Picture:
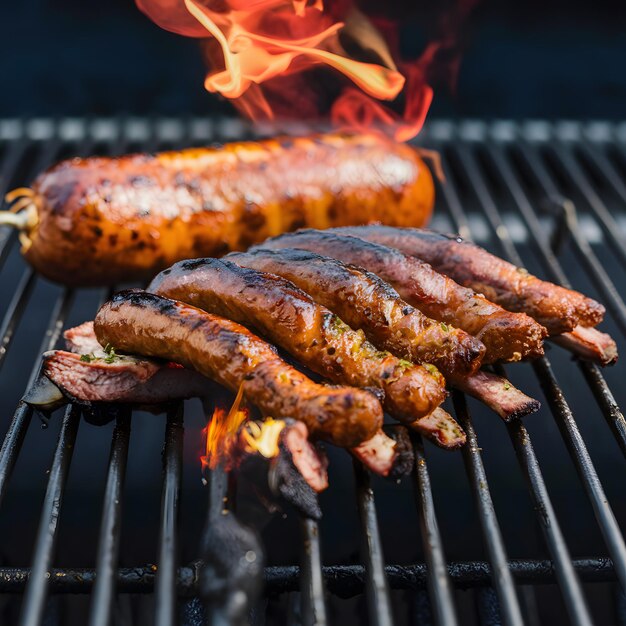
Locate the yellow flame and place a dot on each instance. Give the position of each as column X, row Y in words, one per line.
column 263, row 437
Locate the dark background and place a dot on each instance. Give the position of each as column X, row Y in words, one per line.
column 524, row 59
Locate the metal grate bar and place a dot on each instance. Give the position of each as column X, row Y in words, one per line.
column 438, row 580
column 344, row 580
column 566, row 574
column 580, row 181
column 376, row 587
column 502, row 578
column 36, row 589
column 15, row 312
column 49, row 149
column 569, row 583
column 311, row 578
column 8, row 169
column 218, row 502
column 14, row 437
column 562, row 413
column 577, row 449
column 605, row 168
column 165, row 585
column 552, row 267
column 589, row 260
column 109, row 541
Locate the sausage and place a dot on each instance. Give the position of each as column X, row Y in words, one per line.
column 308, row 331
column 507, row 336
column 363, row 300
column 99, row 221
column 149, row 325
column 558, row 309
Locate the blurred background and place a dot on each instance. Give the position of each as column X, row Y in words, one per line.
column 524, row 59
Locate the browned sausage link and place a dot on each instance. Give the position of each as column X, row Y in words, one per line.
column 146, row 324
column 310, row 332
column 558, row 309
column 507, row 336
column 99, row 221
column 363, row 300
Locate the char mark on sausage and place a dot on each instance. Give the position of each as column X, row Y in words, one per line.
column 150, row 325
column 307, row 330
column 507, row 336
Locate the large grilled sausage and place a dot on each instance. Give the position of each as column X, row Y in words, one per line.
column 507, row 336
column 307, row 330
column 98, row 221
column 149, row 325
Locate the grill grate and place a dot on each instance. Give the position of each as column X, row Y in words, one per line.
column 498, row 175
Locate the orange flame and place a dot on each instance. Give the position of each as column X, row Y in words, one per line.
column 259, row 49
column 222, row 434
column 227, row 436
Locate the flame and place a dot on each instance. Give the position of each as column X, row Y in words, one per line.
column 222, row 434
column 260, row 50
column 263, row 437
column 227, row 436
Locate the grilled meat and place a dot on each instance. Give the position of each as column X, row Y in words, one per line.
column 558, row 309
column 389, row 453
column 590, row 344
column 154, row 382
column 141, row 323
column 507, row 336
column 125, row 379
column 308, row 331
column 363, row 300
column 441, row 427
column 499, row 395
column 100, row 221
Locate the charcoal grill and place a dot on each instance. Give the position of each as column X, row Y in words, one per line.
column 524, row 531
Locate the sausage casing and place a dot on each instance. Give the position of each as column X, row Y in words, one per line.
column 99, row 221
column 558, row 309
column 307, row 330
column 365, row 301
column 507, row 336
column 140, row 323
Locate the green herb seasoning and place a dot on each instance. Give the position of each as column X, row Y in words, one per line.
column 111, row 356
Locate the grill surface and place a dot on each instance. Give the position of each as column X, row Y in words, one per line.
column 523, row 531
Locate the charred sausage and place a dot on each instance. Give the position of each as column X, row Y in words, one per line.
column 99, row 221
column 507, row 336
column 150, row 325
column 558, row 309
column 307, row 330
column 363, row 300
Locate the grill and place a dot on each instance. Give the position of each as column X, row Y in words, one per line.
column 521, row 531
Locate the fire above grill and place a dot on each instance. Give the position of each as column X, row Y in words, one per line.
column 488, row 542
